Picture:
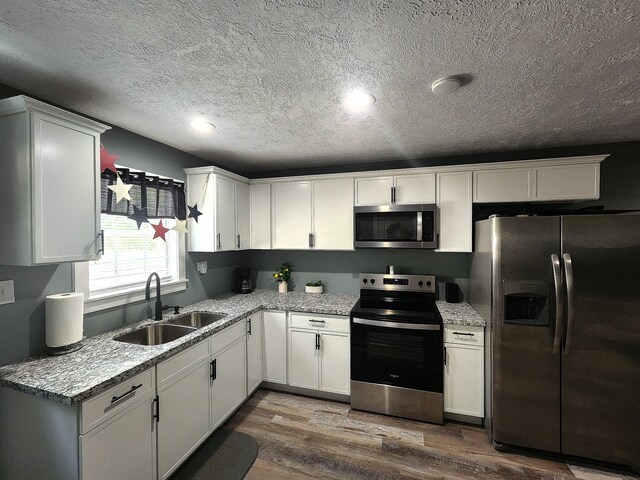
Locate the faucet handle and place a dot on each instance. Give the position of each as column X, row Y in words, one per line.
column 176, row 308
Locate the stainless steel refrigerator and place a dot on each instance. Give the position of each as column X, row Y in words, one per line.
column 561, row 296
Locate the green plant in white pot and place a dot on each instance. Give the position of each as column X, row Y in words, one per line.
column 314, row 287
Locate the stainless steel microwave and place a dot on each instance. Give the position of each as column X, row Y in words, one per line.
column 396, row 226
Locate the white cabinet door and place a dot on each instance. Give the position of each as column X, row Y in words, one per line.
column 454, row 199
column 412, row 189
column 260, row 212
column 229, row 381
column 242, row 216
column 184, row 418
column 200, row 193
column 66, row 206
column 292, row 215
column 275, row 346
column 333, row 214
column 255, row 352
column 303, row 359
column 503, row 185
column 373, row 190
column 568, row 182
column 464, row 380
column 335, row 373
column 225, row 214
column 124, row 447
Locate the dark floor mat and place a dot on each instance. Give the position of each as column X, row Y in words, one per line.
column 226, row 455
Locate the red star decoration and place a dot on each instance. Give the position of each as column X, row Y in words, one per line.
column 160, row 229
column 107, row 161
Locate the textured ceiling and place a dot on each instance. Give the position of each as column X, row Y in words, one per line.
column 270, row 74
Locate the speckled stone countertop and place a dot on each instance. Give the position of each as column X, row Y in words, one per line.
column 459, row 314
column 103, row 362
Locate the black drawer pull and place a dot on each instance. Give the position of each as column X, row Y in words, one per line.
column 115, row 399
column 316, row 321
column 464, row 333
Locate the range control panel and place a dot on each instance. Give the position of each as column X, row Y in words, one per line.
column 407, row 283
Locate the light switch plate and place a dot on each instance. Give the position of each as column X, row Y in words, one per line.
column 6, row 292
column 202, row 267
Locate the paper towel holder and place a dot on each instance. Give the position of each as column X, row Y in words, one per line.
column 74, row 347
column 66, row 348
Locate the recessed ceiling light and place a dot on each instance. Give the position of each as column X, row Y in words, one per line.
column 358, row 101
column 446, row 85
column 202, row 126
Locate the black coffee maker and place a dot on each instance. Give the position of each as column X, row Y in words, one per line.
column 241, row 280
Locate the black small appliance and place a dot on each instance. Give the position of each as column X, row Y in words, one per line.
column 453, row 294
column 241, row 280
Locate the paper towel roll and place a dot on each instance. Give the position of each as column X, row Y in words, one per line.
column 64, row 318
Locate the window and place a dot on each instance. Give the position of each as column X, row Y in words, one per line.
column 131, row 254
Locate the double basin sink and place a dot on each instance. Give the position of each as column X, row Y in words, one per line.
column 175, row 328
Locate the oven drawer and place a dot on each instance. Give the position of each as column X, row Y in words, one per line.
column 464, row 334
column 322, row 322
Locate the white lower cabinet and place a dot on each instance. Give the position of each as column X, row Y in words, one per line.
column 228, row 380
column 255, row 351
column 183, row 409
column 319, row 353
column 275, row 346
column 123, row 447
column 464, row 370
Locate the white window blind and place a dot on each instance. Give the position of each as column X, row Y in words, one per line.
column 131, row 255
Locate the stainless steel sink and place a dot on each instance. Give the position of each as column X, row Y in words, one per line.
column 197, row 319
column 155, row 334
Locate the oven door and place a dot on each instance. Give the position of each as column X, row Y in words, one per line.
column 397, row 353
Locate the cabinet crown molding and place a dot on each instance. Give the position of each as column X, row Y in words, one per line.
column 217, row 171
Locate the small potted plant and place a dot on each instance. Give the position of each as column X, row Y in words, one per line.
column 314, row 287
column 282, row 276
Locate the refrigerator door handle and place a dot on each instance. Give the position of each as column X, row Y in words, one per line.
column 557, row 281
column 568, row 271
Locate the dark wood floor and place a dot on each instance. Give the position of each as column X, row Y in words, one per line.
column 302, row 437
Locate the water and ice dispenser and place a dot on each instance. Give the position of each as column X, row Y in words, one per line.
column 526, row 302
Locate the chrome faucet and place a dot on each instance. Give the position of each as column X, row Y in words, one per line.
column 147, row 294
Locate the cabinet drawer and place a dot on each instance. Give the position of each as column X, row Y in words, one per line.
column 322, row 322
column 228, row 335
column 464, row 334
column 116, row 399
column 176, row 365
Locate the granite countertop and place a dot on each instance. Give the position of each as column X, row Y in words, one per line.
column 459, row 314
column 103, row 362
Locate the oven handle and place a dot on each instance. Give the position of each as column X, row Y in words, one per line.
column 406, row 326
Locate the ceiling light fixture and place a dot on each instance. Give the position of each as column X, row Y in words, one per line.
column 446, row 85
column 202, row 126
column 358, row 101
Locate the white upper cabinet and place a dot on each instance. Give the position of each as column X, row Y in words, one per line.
column 400, row 190
column 224, row 204
column 333, row 214
column 242, row 216
column 374, row 190
column 454, row 200
column 411, row 189
column 260, row 212
column 568, row 182
column 567, row 179
column 292, row 215
column 503, row 185
column 50, row 184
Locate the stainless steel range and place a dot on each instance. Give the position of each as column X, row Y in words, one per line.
column 397, row 347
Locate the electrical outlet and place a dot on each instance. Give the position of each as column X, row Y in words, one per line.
column 202, row 267
column 6, row 292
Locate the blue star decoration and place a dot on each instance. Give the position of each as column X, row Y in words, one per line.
column 139, row 215
column 193, row 212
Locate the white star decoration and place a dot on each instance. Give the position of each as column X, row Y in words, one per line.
column 121, row 190
column 180, row 227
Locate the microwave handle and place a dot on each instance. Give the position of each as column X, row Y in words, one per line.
column 419, row 226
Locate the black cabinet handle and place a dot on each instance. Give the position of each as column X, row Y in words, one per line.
column 238, row 241
column 157, row 404
column 101, row 249
column 249, row 320
column 445, row 355
column 317, row 341
column 316, row 321
column 214, row 369
column 115, row 399
column 464, row 333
